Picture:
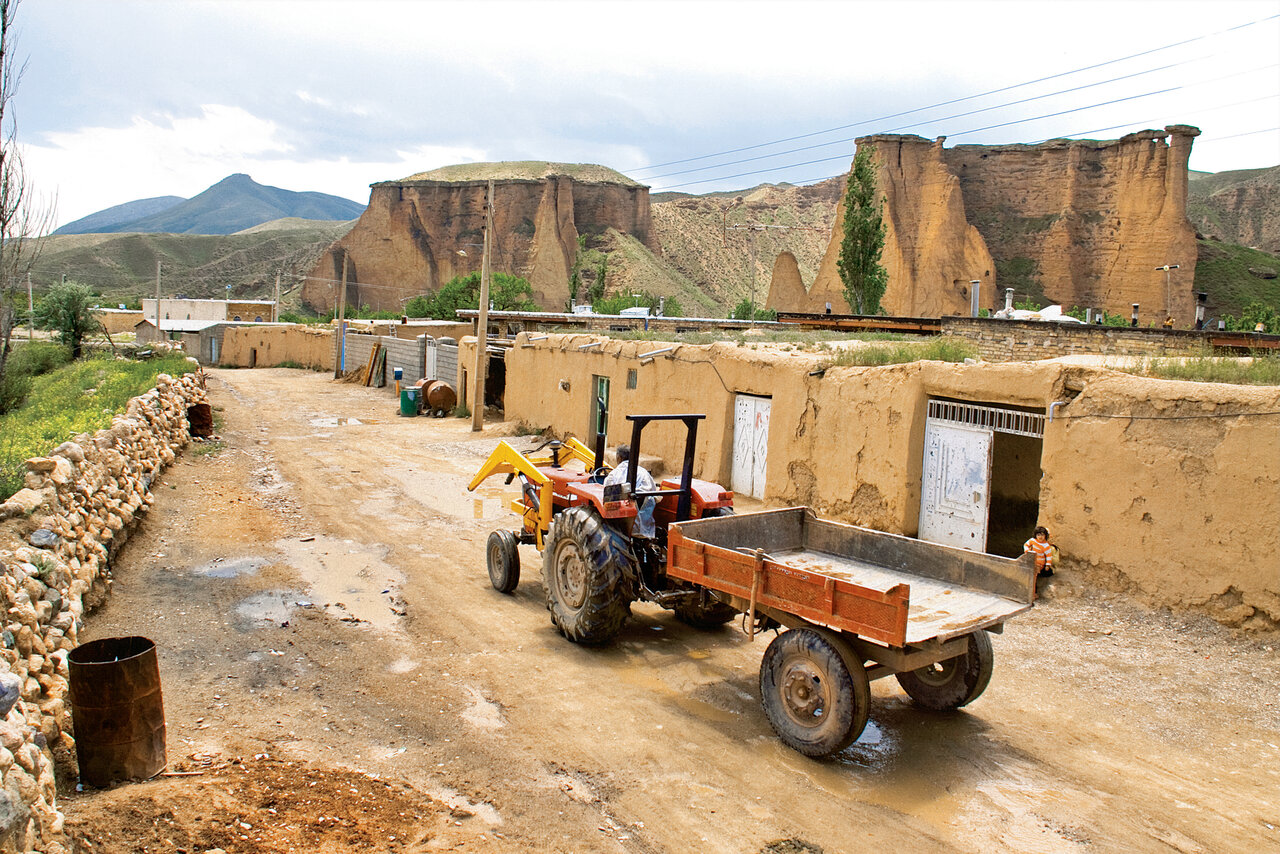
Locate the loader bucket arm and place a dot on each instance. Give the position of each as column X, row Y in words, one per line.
column 507, row 460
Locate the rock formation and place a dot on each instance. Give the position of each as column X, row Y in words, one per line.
column 1078, row 222
column 412, row 236
column 786, row 290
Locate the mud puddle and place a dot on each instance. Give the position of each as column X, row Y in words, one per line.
column 230, row 567
column 348, row 580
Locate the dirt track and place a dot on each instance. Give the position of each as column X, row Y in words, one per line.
column 336, row 665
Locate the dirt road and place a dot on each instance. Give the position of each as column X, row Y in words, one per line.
column 340, row 673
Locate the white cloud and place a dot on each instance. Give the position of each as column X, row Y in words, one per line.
column 97, row 167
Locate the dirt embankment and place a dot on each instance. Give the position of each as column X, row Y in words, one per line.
column 339, row 673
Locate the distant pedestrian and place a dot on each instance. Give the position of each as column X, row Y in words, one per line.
column 1046, row 552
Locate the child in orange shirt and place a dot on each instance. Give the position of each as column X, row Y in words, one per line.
column 1040, row 546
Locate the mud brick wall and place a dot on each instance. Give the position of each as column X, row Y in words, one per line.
column 1020, row 340
column 57, row 535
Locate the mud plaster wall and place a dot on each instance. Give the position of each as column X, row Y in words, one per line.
column 275, row 345
column 850, row 444
column 1161, row 485
column 56, row 536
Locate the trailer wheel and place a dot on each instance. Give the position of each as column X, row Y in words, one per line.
column 503, row 561
column 954, row 682
column 583, row 571
column 816, row 699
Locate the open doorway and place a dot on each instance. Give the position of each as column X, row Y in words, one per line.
column 980, row 486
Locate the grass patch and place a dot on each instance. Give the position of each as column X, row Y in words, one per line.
column 1260, row 370
column 77, row 398
column 941, row 349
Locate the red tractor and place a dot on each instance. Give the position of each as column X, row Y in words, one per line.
column 593, row 566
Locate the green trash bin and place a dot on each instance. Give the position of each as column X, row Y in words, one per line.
column 409, row 402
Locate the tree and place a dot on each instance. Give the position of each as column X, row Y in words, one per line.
column 859, row 262
column 506, row 293
column 23, row 220
column 65, row 309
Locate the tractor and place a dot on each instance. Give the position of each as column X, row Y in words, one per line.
column 593, row 567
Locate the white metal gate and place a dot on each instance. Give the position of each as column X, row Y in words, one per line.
column 955, row 490
column 750, row 444
column 429, row 366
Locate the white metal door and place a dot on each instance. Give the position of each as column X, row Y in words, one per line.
column 955, row 491
column 429, row 369
column 750, row 444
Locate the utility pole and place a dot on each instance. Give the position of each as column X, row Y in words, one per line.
column 157, row 300
column 31, row 312
column 275, row 309
column 340, row 343
column 482, row 322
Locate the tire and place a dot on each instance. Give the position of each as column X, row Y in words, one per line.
column 583, row 570
column 954, row 682
column 704, row 612
column 502, row 558
column 816, row 700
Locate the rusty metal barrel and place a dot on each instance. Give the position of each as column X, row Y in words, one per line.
column 117, row 709
column 441, row 396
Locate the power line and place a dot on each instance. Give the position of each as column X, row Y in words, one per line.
column 963, row 99
column 930, row 121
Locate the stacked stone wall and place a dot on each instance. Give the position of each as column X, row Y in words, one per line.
column 1023, row 340
column 57, row 535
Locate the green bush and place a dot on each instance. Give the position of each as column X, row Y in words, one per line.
column 28, row 360
column 77, row 398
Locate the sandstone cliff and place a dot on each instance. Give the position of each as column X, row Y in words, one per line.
column 409, row 239
column 1079, row 222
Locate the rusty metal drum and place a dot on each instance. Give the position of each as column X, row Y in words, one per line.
column 441, row 396
column 118, row 710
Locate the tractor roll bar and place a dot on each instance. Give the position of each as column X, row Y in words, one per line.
column 638, row 423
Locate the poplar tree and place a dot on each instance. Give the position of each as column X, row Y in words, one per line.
column 863, row 276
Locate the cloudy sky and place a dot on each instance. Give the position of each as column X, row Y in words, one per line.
column 127, row 100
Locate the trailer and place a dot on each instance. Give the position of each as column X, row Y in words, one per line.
column 857, row 605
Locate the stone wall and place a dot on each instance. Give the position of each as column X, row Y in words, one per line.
column 1020, row 340
column 408, row 240
column 56, row 537
column 1119, row 459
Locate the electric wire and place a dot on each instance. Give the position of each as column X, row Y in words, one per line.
column 940, row 104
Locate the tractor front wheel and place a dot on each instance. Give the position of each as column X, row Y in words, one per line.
column 583, row 570
column 503, row 561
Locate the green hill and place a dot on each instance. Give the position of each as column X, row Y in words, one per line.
column 122, row 267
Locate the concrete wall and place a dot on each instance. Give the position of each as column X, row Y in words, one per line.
column 404, row 353
column 1136, row 495
column 304, row 345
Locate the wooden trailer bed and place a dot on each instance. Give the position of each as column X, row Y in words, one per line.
column 894, row 590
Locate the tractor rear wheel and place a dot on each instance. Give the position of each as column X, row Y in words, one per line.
column 583, row 570
column 503, row 561
column 954, row 682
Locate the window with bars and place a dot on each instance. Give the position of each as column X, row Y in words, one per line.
column 996, row 418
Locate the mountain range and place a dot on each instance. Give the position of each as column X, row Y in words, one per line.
column 234, row 204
